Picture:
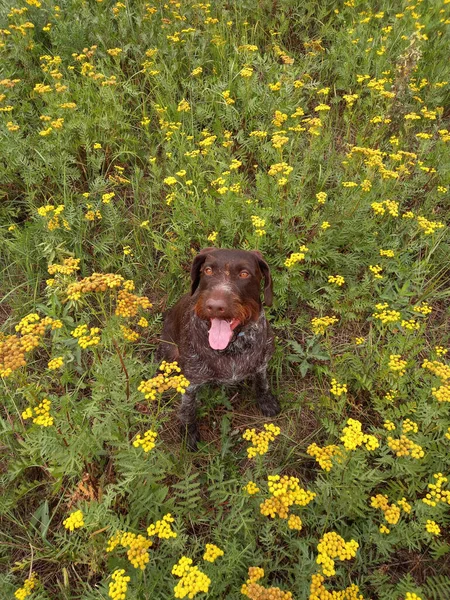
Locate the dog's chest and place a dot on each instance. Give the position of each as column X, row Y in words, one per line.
column 243, row 357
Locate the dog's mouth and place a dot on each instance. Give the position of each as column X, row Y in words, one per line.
column 221, row 332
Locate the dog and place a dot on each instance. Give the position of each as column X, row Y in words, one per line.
column 218, row 332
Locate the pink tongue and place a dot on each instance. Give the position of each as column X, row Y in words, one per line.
column 220, row 334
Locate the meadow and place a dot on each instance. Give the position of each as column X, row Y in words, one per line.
column 133, row 134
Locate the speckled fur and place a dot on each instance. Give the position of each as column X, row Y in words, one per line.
column 185, row 339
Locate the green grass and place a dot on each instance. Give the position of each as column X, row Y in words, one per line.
column 122, row 133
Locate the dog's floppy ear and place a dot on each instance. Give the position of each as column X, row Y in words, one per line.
column 268, row 286
column 196, row 267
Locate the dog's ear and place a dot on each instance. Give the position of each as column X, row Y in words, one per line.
column 268, row 286
column 196, row 267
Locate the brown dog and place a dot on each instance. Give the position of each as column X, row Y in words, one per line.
column 218, row 333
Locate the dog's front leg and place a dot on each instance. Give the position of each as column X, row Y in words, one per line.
column 267, row 402
column 188, row 417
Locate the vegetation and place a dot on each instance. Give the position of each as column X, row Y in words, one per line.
column 134, row 134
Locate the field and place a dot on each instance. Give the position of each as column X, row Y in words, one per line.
column 133, row 134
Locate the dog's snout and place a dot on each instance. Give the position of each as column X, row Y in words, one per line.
column 216, row 307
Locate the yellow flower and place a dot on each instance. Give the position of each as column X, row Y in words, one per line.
column 74, row 521
column 28, row 585
column 337, row 389
column 322, row 108
column 432, row 527
column 323, row 455
column 106, row 198
column 119, row 585
column 147, row 442
column 183, row 106
column 320, row 324
column 337, row 279
column 325, row 225
column 162, row 528
column 251, row 488
column 332, row 546
column 397, row 365
column 260, row 441
column 246, row 72
column 192, row 582
column 56, row 363
column 321, row 197
column 212, row 552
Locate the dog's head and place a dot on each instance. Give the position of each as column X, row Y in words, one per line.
column 228, row 288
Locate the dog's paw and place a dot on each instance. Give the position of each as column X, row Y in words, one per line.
column 269, row 405
column 191, row 434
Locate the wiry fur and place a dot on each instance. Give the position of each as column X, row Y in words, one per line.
column 185, row 339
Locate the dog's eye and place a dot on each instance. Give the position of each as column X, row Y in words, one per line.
column 244, row 274
column 207, row 271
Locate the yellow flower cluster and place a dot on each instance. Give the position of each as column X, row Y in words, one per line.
column 389, row 206
column 405, row 447
column 323, row 455
column 319, row 592
column 285, row 491
column 429, row 227
column 432, row 527
column 128, row 334
column 424, row 308
column 439, row 369
column 97, row 282
column 85, row 338
column 69, row 266
column 13, row 348
column 251, row 488
column 192, row 579
column 321, row 197
column 441, row 350
column 119, row 585
column 137, row 545
column 256, row 591
column 412, row 596
column 436, row 493
column 164, row 381
column 386, row 314
column 376, row 270
column 147, row 441
column 442, row 394
column 55, row 363
column 258, row 224
column 128, row 304
column 389, row 425
column 74, row 521
column 332, row 546
column 28, row 585
column 387, row 253
column 296, row 257
column 320, row 324
column 40, row 414
column 353, row 436
column 337, row 389
column 212, row 552
column 162, row 528
column 411, row 325
column 391, row 511
column 337, row 279
column 281, row 171
column 260, row 441
column 397, row 365
column 408, row 426
column 52, row 214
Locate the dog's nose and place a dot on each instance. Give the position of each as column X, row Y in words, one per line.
column 215, row 307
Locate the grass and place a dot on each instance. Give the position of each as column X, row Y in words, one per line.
column 133, row 135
